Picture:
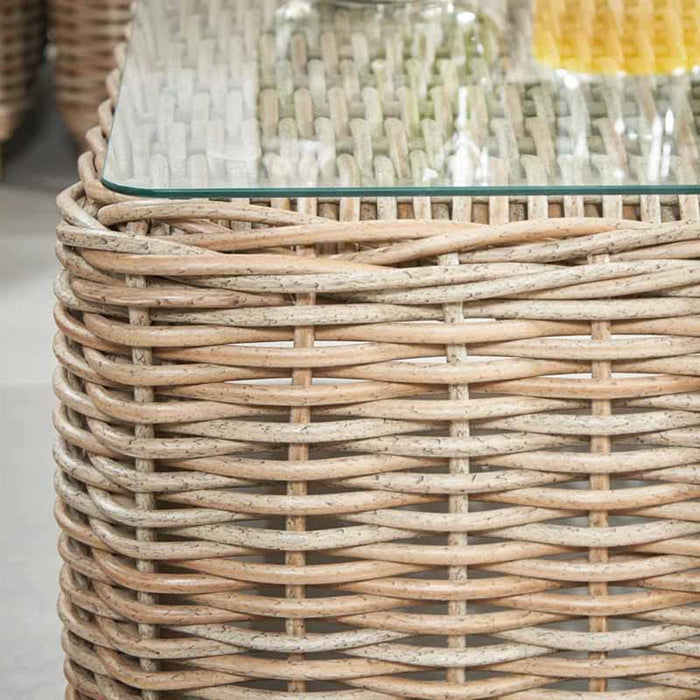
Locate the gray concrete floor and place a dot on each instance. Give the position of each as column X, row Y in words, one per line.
column 38, row 163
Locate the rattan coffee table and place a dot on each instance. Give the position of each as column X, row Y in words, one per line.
column 378, row 343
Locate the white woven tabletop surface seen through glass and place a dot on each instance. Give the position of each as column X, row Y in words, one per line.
column 304, row 98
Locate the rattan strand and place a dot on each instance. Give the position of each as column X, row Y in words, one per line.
column 85, row 33
column 376, row 449
column 22, row 25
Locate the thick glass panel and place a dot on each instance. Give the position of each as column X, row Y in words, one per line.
column 294, row 97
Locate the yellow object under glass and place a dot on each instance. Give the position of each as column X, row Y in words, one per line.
column 608, row 37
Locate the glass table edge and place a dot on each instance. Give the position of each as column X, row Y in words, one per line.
column 327, row 192
column 373, row 192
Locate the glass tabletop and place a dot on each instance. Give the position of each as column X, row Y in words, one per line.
column 235, row 98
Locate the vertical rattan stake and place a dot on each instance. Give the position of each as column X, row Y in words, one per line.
column 143, row 357
column 460, row 429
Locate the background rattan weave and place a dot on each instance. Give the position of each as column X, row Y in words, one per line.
column 377, row 449
column 22, row 27
column 85, row 33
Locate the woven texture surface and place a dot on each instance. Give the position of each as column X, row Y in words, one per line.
column 85, row 33
column 377, row 449
column 21, row 43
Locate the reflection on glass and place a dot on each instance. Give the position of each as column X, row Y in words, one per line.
column 298, row 97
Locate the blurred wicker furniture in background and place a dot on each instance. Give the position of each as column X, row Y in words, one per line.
column 85, row 33
column 22, row 27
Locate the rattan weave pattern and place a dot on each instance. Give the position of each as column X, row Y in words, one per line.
column 85, row 33
column 349, row 449
column 22, row 25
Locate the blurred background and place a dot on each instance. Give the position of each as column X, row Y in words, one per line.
column 40, row 160
column 54, row 58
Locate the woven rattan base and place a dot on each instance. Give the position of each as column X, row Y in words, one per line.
column 440, row 449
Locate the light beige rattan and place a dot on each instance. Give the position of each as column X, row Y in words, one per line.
column 22, row 26
column 85, row 34
column 362, row 450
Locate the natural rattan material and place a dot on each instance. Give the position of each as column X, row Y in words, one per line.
column 378, row 449
column 21, row 44
column 85, row 34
